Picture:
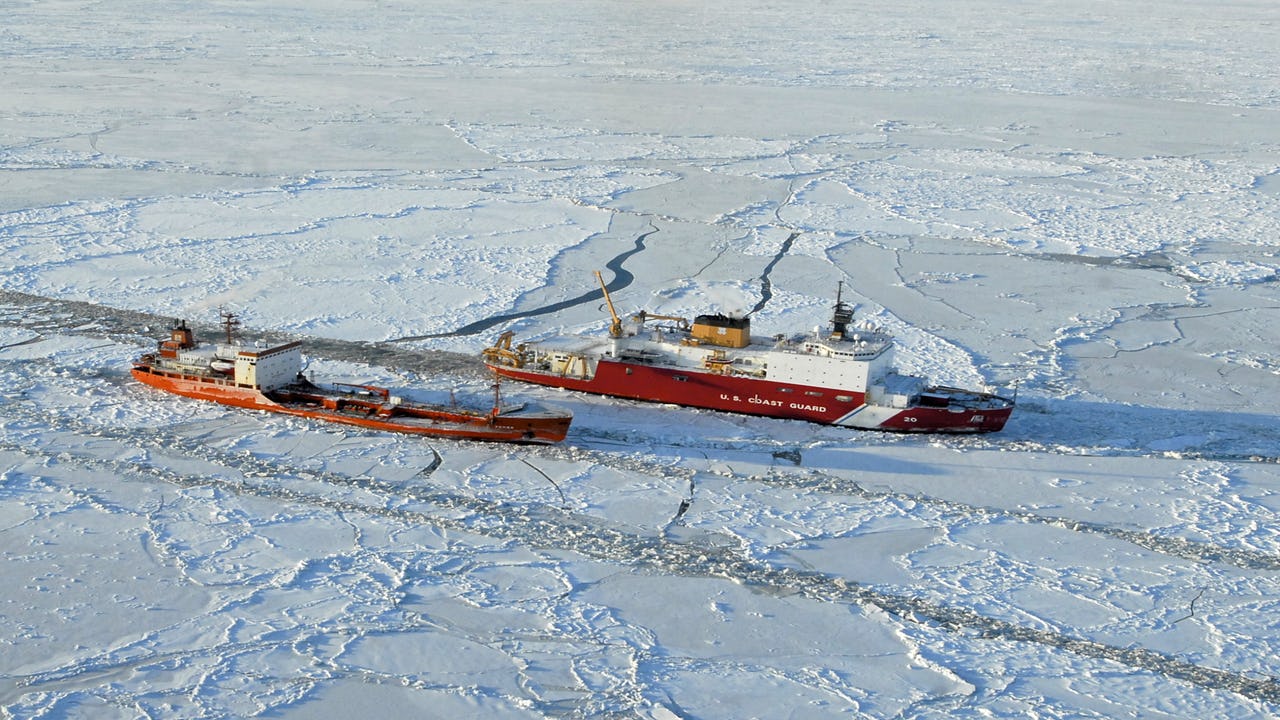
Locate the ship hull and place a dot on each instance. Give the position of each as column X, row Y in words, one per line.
column 752, row 396
column 365, row 410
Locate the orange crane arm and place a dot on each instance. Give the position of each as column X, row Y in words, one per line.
column 615, row 327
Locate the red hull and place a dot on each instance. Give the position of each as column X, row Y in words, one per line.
column 762, row 397
column 412, row 418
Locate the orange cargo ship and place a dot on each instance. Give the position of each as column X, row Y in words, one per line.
column 270, row 378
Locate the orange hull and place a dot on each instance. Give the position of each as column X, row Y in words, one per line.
column 366, row 406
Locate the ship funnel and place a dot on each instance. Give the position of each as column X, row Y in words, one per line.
column 721, row 330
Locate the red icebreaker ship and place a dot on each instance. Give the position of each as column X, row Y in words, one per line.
column 841, row 377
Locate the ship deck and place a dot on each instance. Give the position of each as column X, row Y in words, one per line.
column 573, row 344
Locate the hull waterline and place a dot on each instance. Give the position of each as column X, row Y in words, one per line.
column 775, row 400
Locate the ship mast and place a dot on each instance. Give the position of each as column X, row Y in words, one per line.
column 229, row 323
column 842, row 314
column 497, row 396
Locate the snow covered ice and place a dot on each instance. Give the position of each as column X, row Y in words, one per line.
column 1079, row 199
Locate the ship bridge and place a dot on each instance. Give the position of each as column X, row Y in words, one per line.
column 852, row 363
column 861, row 348
column 268, row 368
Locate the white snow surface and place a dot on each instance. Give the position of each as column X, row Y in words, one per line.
column 1078, row 198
